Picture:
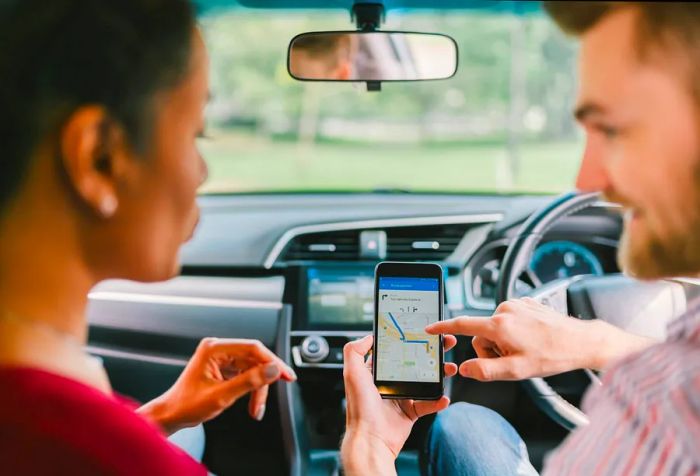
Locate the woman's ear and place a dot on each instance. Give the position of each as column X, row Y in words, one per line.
column 92, row 147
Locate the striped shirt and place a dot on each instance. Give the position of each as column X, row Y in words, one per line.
column 645, row 418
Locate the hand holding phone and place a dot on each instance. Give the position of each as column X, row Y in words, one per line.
column 408, row 362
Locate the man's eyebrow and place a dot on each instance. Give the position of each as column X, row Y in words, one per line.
column 585, row 110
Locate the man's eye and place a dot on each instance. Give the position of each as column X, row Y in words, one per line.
column 608, row 131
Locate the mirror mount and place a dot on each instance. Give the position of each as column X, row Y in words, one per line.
column 374, row 86
column 368, row 16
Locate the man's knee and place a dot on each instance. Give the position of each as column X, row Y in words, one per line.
column 462, row 421
column 468, row 439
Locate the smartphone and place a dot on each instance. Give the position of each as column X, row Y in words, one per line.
column 407, row 362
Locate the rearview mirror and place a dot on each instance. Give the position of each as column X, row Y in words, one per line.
column 371, row 56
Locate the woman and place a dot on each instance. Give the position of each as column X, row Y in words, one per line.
column 101, row 104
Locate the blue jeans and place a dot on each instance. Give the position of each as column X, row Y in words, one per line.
column 192, row 440
column 471, row 440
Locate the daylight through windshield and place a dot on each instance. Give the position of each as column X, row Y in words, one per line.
column 501, row 124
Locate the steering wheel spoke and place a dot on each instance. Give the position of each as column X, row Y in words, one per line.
column 555, row 294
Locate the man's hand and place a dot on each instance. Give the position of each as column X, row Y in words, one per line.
column 525, row 339
column 220, row 372
column 376, row 428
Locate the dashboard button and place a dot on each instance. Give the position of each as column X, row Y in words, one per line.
column 314, row 348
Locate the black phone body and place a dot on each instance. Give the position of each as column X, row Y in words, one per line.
column 406, row 361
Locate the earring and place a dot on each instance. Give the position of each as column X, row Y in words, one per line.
column 108, row 206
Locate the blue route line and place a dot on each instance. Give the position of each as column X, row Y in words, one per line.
column 398, row 327
column 403, row 336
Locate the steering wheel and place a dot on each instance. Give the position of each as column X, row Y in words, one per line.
column 640, row 308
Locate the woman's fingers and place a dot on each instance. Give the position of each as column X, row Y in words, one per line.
column 248, row 381
column 246, row 349
column 355, row 372
column 414, row 409
column 426, row 407
column 450, row 369
column 257, row 403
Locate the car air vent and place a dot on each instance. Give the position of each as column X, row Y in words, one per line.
column 337, row 245
column 424, row 243
column 414, row 243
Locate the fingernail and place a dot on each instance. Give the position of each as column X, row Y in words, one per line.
column 292, row 373
column 271, row 371
column 260, row 413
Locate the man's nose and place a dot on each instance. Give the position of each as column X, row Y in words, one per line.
column 592, row 175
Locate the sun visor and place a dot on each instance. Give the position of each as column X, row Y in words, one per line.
column 508, row 7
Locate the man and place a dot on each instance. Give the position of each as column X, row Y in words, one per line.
column 639, row 104
column 323, row 56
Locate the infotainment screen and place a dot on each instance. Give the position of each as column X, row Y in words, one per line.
column 340, row 296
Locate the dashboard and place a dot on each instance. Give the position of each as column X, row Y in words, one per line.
column 341, row 296
column 296, row 272
column 334, row 302
column 330, row 285
column 555, row 258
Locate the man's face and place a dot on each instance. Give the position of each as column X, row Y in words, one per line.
column 642, row 146
column 331, row 60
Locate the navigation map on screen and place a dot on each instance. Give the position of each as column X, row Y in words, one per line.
column 405, row 353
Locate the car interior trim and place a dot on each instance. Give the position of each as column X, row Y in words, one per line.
column 299, row 362
column 121, row 354
column 472, row 300
column 291, row 414
column 352, row 334
column 182, row 300
column 292, row 233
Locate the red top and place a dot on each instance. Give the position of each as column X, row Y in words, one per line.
column 54, row 425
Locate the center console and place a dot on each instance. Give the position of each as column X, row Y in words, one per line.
column 333, row 305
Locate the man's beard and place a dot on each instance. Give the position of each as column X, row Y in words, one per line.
column 653, row 256
column 656, row 258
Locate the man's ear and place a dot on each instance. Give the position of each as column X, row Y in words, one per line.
column 92, row 145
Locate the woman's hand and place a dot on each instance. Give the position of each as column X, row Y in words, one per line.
column 220, row 372
column 376, row 428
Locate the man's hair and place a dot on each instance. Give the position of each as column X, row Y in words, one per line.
column 668, row 30
column 665, row 24
column 59, row 55
column 323, row 46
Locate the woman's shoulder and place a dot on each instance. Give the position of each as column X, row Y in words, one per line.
column 50, row 420
column 45, row 400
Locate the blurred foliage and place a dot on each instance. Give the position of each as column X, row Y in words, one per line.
column 253, row 92
column 249, row 77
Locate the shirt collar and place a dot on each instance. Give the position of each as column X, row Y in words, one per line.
column 687, row 326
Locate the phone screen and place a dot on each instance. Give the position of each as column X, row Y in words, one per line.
column 405, row 353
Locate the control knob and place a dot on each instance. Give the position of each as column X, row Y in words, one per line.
column 314, row 349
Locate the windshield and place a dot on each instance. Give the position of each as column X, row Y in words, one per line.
column 501, row 124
